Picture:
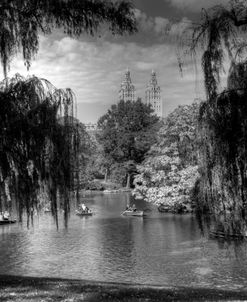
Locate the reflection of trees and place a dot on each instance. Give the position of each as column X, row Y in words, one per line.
column 115, row 236
column 13, row 250
column 127, row 197
column 163, row 247
column 167, row 242
column 118, row 248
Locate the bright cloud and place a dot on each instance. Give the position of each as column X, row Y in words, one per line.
column 94, row 71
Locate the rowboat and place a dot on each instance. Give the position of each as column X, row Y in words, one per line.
column 7, row 221
column 110, row 191
column 83, row 213
column 163, row 208
column 133, row 213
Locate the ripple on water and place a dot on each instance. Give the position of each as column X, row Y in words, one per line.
column 159, row 249
column 203, row 271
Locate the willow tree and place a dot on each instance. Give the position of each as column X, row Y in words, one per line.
column 38, row 148
column 35, row 145
column 222, row 188
column 22, row 21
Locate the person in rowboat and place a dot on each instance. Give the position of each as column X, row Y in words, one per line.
column 6, row 215
column 84, row 208
column 133, row 208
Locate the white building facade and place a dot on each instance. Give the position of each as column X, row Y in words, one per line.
column 153, row 95
column 127, row 90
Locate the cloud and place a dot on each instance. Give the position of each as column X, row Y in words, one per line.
column 145, row 66
column 161, row 28
column 180, row 28
column 94, row 71
column 160, row 24
column 146, row 23
column 195, row 5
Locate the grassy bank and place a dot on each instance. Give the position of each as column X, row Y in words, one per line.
column 20, row 289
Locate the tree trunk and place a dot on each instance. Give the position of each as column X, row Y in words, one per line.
column 128, row 181
column 106, row 175
column 5, row 70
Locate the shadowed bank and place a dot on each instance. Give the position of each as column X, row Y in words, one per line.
column 14, row 288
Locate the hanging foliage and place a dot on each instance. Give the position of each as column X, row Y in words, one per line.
column 221, row 189
column 220, row 36
column 37, row 145
column 21, row 22
column 223, row 183
column 39, row 136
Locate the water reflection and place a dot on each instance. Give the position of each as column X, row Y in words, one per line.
column 158, row 249
column 13, row 250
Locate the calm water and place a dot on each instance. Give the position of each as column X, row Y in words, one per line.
column 158, row 249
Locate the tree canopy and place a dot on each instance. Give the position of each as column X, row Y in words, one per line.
column 21, row 22
column 128, row 130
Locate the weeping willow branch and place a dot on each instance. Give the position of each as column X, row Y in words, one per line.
column 219, row 35
column 223, row 123
column 37, row 145
column 21, row 22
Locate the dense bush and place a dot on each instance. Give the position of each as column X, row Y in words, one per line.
column 168, row 174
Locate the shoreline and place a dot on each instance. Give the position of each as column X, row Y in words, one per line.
column 110, row 191
column 26, row 288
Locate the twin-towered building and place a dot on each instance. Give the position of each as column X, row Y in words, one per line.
column 127, row 92
column 152, row 93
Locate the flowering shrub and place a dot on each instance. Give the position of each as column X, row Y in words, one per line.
column 168, row 174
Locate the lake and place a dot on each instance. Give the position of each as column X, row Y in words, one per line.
column 161, row 249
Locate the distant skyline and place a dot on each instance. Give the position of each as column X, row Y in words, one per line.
column 93, row 67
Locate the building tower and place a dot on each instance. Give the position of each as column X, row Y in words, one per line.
column 127, row 90
column 152, row 95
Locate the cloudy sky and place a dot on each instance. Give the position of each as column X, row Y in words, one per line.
column 93, row 67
